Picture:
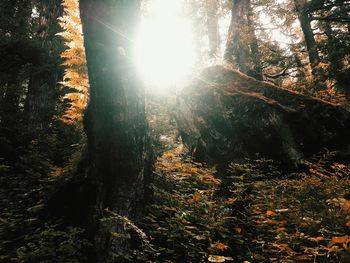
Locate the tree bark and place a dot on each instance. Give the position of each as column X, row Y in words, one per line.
column 233, row 32
column 213, row 27
column 305, row 23
column 242, row 45
column 254, row 47
column 114, row 121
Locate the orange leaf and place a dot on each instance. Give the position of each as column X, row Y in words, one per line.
column 270, row 213
column 169, row 155
column 347, row 223
column 196, row 196
column 346, row 206
column 221, row 246
column 342, row 239
column 231, row 200
column 193, row 170
column 316, row 239
column 283, row 247
column 238, row 230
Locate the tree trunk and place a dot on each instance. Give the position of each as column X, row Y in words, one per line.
column 256, row 71
column 233, row 32
column 43, row 85
column 305, row 23
column 242, row 45
column 213, row 27
column 115, row 121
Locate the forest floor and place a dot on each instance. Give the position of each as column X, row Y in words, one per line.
column 251, row 213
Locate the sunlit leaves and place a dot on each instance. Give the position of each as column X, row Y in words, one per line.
column 75, row 74
column 218, row 259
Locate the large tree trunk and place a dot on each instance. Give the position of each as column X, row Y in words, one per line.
column 115, row 121
column 43, row 90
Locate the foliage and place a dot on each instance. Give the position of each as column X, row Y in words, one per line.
column 187, row 221
column 75, row 75
column 50, row 244
column 300, row 217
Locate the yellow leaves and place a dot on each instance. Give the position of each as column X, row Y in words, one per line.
column 210, row 178
column 178, row 165
column 168, row 155
column 185, row 174
column 195, row 198
column 218, row 259
column 338, row 166
column 313, row 171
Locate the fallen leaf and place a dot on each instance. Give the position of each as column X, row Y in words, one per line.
column 316, row 239
column 231, row 200
column 346, row 206
column 178, row 165
column 218, row 259
column 270, row 213
column 342, row 239
column 221, row 246
column 196, row 196
column 347, row 223
column 238, row 230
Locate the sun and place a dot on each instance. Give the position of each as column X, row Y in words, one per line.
column 164, row 45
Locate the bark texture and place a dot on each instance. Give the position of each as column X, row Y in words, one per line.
column 225, row 115
column 114, row 122
column 311, row 46
column 213, row 27
column 242, row 45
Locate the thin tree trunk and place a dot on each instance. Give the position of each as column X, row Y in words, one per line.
column 213, row 27
column 310, row 42
column 233, row 32
column 254, row 47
